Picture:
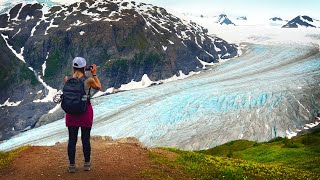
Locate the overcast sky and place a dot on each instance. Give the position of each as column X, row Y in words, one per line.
column 263, row 8
column 245, row 7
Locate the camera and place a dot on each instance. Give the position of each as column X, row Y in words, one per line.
column 88, row 68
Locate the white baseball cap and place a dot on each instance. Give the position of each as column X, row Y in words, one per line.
column 79, row 62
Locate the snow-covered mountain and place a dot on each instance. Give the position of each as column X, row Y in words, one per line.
column 6, row 5
column 224, row 20
column 242, row 18
column 277, row 21
column 302, row 21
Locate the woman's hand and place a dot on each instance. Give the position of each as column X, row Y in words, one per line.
column 93, row 70
column 94, row 82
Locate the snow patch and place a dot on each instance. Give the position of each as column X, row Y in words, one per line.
column 51, row 91
column 16, row 33
column 145, row 82
column 8, row 103
column 6, row 29
column 44, row 65
column 291, row 134
column 50, row 26
column 78, row 23
column 101, row 93
column 204, row 64
column 164, row 48
column 181, row 76
column 18, row 55
column 58, row 106
column 28, row 18
column 81, row 33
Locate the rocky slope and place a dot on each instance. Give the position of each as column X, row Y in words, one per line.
column 126, row 39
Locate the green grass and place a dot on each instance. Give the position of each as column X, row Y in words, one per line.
column 280, row 158
column 301, row 152
column 7, row 157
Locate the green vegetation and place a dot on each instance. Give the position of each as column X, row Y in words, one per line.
column 7, row 157
column 142, row 59
column 301, row 152
column 54, row 65
column 120, row 65
column 280, row 158
column 146, row 59
column 3, row 77
column 26, row 74
column 138, row 41
column 18, row 72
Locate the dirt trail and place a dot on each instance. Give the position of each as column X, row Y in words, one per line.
column 111, row 159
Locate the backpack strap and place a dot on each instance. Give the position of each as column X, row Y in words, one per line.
column 83, row 79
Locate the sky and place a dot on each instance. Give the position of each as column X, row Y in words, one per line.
column 267, row 8
column 286, row 9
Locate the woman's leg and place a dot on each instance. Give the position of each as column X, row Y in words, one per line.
column 73, row 136
column 85, row 137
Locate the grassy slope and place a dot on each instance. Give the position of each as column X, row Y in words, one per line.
column 281, row 158
column 7, row 157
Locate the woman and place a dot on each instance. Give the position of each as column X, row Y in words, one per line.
column 84, row 121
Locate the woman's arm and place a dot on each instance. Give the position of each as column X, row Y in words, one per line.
column 94, row 82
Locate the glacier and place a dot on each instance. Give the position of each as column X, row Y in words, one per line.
column 269, row 91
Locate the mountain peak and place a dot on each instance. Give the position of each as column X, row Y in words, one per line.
column 242, row 18
column 276, row 19
column 302, row 21
column 224, row 20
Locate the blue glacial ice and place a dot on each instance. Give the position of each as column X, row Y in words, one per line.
column 267, row 92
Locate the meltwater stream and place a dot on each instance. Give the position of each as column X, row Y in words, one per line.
column 271, row 90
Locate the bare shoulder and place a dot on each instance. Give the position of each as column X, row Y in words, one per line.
column 90, row 81
column 65, row 79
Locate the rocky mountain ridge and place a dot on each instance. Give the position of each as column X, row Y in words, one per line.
column 302, row 21
column 127, row 40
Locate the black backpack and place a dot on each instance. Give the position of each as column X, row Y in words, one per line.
column 74, row 98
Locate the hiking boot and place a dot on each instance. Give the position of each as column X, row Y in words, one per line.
column 87, row 166
column 72, row 168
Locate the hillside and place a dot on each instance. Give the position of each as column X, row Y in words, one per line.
column 296, row 158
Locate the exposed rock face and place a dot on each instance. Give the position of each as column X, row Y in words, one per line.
column 276, row 19
column 125, row 39
column 302, row 21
